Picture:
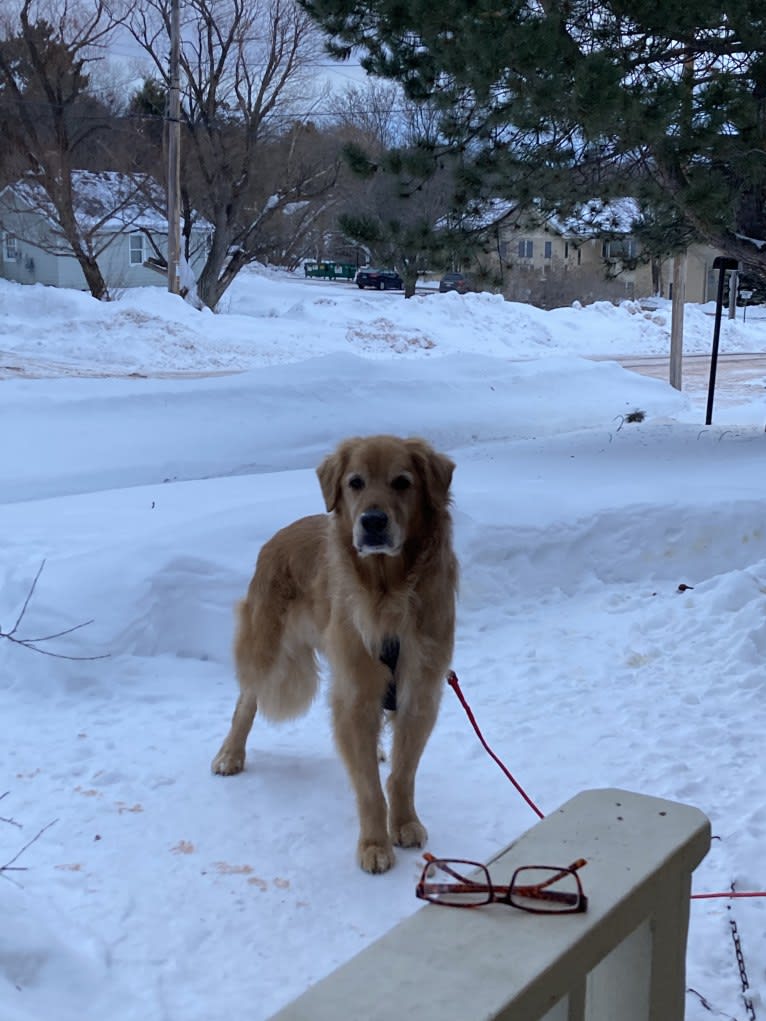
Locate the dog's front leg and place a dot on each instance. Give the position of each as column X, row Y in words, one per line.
column 415, row 718
column 356, row 703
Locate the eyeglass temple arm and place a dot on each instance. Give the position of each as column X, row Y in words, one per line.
column 577, row 864
column 500, row 892
column 444, row 867
column 539, row 889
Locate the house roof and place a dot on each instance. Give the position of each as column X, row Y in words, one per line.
column 598, row 217
column 481, row 216
column 105, row 201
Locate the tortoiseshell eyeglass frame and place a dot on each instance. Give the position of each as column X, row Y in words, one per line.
column 558, row 902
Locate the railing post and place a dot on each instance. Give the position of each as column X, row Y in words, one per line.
column 670, row 928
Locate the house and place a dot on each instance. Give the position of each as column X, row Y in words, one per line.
column 118, row 218
column 589, row 255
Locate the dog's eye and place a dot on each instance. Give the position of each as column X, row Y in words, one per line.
column 356, row 482
column 400, row 483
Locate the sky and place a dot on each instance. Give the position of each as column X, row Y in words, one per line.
column 611, row 623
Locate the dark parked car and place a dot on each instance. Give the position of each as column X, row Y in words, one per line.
column 382, row 279
column 454, row 282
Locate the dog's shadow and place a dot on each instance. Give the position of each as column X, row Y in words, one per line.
column 283, row 800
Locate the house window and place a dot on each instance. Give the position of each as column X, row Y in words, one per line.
column 10, row 248
column 566, row 249
column 624, row 248
column 136, row 242
column 502, row 249
column 548, row 249
column 525, row 249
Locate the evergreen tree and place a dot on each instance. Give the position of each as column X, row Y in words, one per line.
column 401, row 220
column 541, row 99
column 399, row 209
column 150, row 100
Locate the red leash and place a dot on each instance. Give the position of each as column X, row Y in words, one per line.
column 731, row 893
column 455, row 685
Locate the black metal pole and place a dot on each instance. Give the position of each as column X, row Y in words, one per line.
column 722, row 264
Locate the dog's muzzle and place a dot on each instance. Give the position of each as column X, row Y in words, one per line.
column 373, row 533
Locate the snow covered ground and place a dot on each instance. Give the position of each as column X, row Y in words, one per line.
column 149, row 450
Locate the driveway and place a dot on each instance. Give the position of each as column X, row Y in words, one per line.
column 740, row 378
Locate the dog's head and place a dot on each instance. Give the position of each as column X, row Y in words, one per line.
column 385, row 489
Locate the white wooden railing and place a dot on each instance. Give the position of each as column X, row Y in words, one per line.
column 622, row 960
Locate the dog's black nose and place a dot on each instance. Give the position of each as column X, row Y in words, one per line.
column 374, row 521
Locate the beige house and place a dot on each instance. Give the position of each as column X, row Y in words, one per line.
column 588, row 256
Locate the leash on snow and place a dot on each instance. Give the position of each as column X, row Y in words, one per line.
column 454, row 683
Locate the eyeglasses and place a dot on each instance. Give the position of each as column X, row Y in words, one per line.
column 541, row 889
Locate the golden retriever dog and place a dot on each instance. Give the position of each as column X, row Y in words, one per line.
column 371, row 585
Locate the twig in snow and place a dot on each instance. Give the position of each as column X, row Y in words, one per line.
column 34, row 643
column 10, row 865
column 11, row 822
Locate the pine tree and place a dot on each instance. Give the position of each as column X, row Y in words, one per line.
column 542, row 99
column 150, row 100
column 400, row 220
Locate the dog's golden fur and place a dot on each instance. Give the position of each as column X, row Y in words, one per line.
column 378, row 567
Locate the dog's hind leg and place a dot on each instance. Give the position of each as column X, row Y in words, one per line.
column 231, row 757
column 277, row 671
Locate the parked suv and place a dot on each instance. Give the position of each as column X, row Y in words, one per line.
column 382, row 279
column 454, row 282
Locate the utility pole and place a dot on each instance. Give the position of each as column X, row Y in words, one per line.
column 174, row 150
column 733, row 288
column 681, row 258
column 677, row 319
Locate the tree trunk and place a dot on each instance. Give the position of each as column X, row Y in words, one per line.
column 218, row 273
column 93, row 276
column 209, row 290
column 409, row 278
column 69, row 228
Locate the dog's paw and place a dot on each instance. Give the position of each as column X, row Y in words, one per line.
column 409, row 834
column 228, row 763
column 375, row 857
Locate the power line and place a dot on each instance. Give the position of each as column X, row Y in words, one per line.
column 108, row 118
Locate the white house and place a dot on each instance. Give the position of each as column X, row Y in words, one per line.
column 118, row 218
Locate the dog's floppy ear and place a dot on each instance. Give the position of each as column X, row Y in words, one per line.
column 330, row 473
column 435, row 469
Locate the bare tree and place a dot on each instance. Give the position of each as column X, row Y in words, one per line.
column 379, row 112
column 48, row 117
column 247, row 72
column 372, row 111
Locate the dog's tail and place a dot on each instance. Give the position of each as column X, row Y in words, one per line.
column 275, row 657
